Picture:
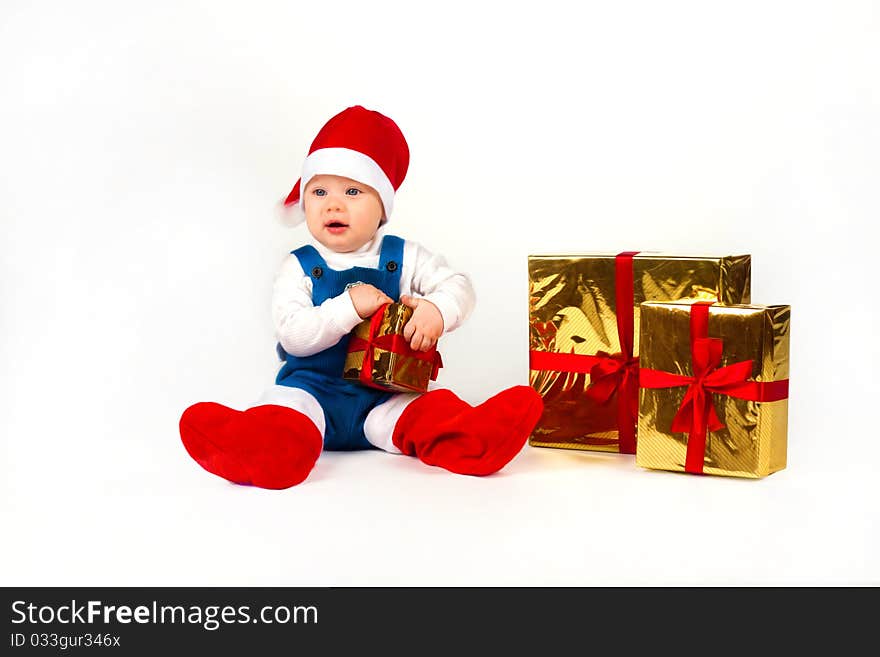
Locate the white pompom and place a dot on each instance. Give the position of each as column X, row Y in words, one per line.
column 290, row 215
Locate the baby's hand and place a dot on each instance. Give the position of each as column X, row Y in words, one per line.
column 367, row 299
column 425, row 326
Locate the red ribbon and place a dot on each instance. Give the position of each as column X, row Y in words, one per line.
column 393, row 342
column 697, row 415
column 610, row 374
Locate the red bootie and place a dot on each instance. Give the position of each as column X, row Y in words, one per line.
column 443, row 430
column 267, row 446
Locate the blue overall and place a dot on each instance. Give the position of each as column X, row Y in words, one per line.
column 345, row 403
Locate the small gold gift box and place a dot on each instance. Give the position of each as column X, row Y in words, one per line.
column 380, row 357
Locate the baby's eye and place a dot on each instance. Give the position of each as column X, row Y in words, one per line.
column 319, row 192
column 352, row 191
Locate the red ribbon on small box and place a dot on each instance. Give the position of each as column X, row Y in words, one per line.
column 393, row 342
column 697, row 415
column 610, row 374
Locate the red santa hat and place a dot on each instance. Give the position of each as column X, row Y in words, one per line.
column 360, row 144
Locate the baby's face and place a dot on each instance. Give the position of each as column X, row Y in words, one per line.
column 341, row 213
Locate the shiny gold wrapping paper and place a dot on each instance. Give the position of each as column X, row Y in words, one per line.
column 753, row 442
column 572, row 307
column 393, row 372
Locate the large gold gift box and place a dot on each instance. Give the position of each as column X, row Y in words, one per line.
column 584, row 327
column 714, row 388
column 380, row 357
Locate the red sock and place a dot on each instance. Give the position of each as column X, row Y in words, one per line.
column 267, row 446
column 443, row 430
column 205, row 429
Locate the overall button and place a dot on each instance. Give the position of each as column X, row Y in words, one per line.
column 317, row 272
column 391, row 266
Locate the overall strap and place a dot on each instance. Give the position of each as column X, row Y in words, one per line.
column 311, row 261
column 391, row 254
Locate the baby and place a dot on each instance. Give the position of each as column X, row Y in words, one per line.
column 350, row 268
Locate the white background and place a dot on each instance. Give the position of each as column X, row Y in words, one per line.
column 142, row 151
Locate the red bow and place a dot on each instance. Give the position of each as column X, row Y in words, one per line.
column 618, row 374
column 393, row 342
column 697, row 415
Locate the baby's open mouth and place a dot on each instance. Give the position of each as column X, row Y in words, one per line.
column 336, row 227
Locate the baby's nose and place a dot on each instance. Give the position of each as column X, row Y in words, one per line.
column 335, row 203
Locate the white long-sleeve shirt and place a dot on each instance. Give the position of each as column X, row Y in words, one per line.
column 304, row 329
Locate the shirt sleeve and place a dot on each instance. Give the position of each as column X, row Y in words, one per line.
column 451, row 291
column 301, row 327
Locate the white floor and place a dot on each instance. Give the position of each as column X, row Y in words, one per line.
column 124, row 516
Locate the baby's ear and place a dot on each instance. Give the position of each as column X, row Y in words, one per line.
column 291, row 215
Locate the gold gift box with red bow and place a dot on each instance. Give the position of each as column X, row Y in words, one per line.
column 714, row 388
column 584, row 335
column 380, row 357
